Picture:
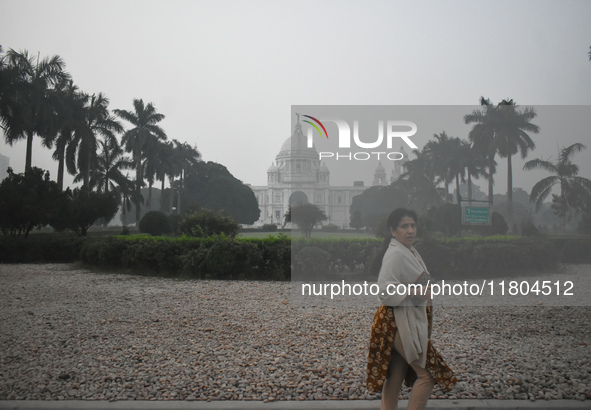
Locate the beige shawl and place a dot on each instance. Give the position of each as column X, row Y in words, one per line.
column 404, row 266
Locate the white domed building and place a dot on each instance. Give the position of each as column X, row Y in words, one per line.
column 298, row 177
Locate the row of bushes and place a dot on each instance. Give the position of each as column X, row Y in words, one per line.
column 473, row 259
column 41, row 248
column 271, row 258
column 445, row 260
column 202, row 258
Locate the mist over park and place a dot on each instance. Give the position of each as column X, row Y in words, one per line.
column 172, row 175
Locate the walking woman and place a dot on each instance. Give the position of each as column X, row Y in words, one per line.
column 400, row 347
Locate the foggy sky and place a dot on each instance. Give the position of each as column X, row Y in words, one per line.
column 225, row 73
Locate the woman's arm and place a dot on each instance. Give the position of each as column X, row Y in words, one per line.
column 389, row 281
column 420, row 290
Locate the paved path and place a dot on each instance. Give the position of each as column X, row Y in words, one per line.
column 289, row 405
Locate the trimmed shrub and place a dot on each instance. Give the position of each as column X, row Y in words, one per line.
column 269, row 228
column 329, row 228
column 576, row 251
column 437, row 257
column 40, row 249
column 276, row 254
column 202, row 258
column 155, row 223
column 107, row 252
column 584, row 226
column 226, row 259
column 350, row 255
column 205, row 222
column 310, row 262
column 478, row 259
column 161, row 257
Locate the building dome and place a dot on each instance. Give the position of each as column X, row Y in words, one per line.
column 296, row 146
column 273, row 168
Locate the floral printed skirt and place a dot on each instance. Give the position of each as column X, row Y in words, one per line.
column 380, row 352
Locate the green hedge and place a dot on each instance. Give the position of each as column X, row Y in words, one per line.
column 202, row 258
column 475, row 259
column 270, row 258
column 575, row 250
column 444, row 259
column 40, row 249
column 346, row 255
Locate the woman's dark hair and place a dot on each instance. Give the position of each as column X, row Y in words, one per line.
column 393, row 221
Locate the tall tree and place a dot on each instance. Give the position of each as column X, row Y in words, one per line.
column 129, row 196
column 375, row 203
column 28, row 100
column 503, row 130
column 457, row 165
column 71, row 113
column 8, row 91
column 168, row 166
column 421, row 180
column 305, row 217
column 150, row 165
column 144, row 119
column 482, row 137
column 81, row 154
column 27, row 201
column 474, row 164
column 85, row 207
column 211, row 185
column 442, row 156
column 187, row 157
column 108, row 176
column 565, row 174
column 514, row 138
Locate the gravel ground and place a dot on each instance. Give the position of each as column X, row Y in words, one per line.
column 68, row 333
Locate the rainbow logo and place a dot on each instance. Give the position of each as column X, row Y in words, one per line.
column 316, row 126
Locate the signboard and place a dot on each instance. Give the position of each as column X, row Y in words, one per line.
column 476, row 215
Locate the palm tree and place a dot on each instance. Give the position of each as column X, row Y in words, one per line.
column 128, row 196
column 421, row 180
column 81, row 153
column 482, row 137
column 107, row 176
column 186, row 156
column 8, row 87
column 572, row 187
column 144, row 118
column 168, row 165
column 473, row 164
column 504, row 130
column 150, row 165
column 457, row 163
column 514, row 138
column 441, row 155
column 71, row 115
column 27, row 106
